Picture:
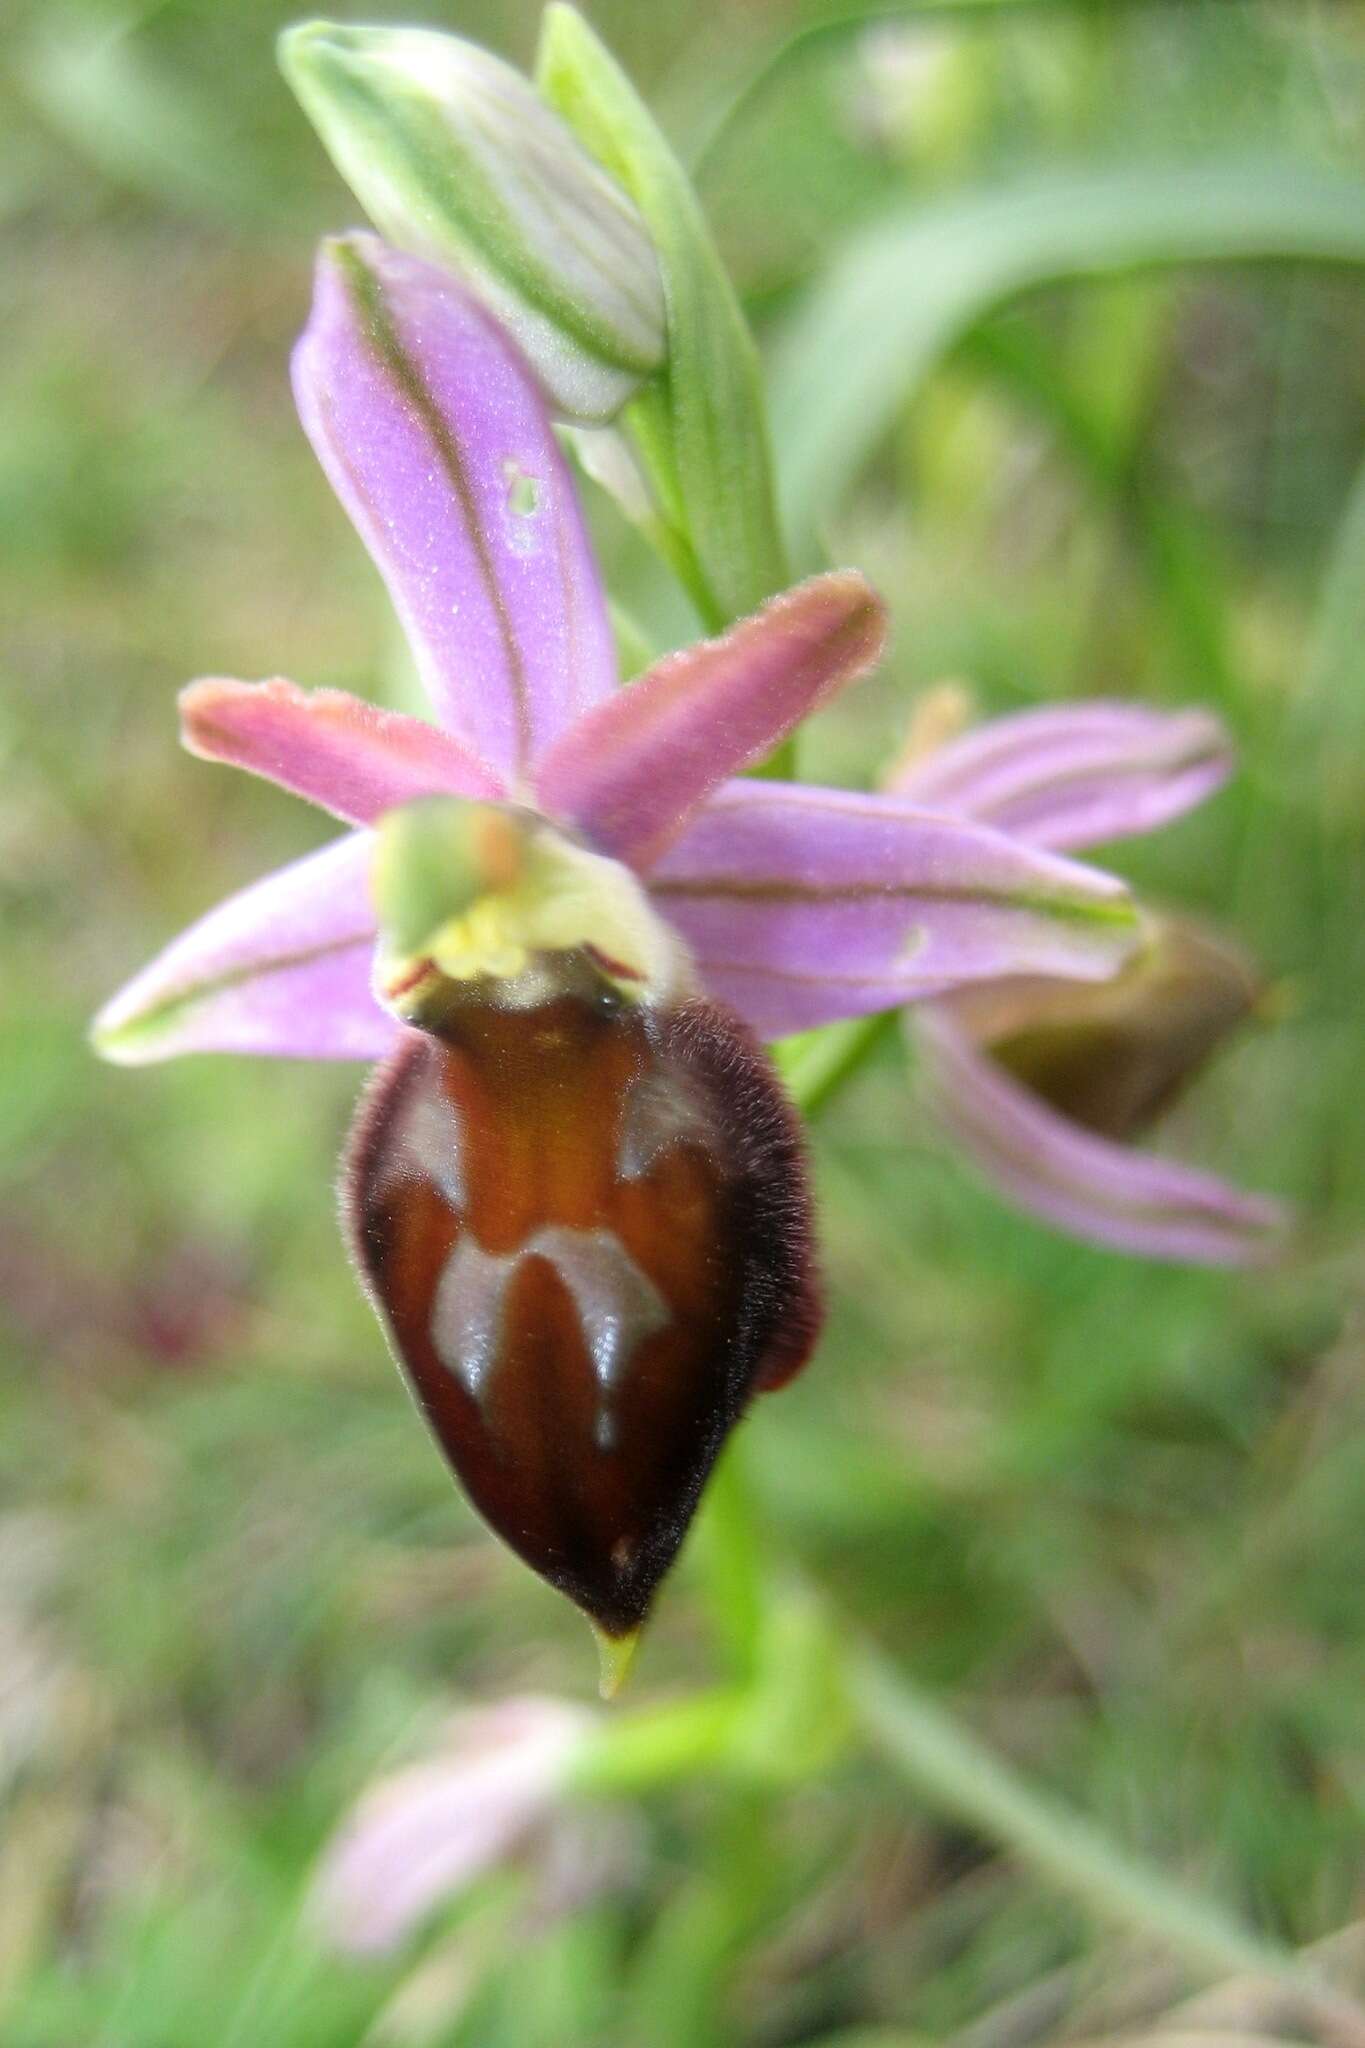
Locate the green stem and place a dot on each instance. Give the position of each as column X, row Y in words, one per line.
column 816, row 1066
column 732, row 1563
column 955, row 1772
column 728, row 1545
column 646, row 421
column 961, row 1776
column 681, row 1983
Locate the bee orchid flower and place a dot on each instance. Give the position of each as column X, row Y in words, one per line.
column 562, row 921
column 1043, row 1083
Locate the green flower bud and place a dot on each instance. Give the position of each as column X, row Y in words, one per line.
column 456, row 159
column 1112, row 1056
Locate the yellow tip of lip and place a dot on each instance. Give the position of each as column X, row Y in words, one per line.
column 616, row 1655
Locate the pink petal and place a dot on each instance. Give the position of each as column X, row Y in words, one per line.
column 807, row 905
column 283, row 967
column 436, row 439
column 632, row 772
column 1083, row 1184
column 1075, row 774
column 426, row 1833
column 352, row 758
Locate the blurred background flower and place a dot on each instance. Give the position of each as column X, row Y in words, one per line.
column 495, row 1788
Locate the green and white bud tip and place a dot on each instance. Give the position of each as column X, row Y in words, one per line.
column 456, row 158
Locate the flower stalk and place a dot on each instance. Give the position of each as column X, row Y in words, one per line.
column 702, row 428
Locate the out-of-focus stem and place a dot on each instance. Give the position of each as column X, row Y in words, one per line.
column 730, row 1556
column 816, row 1068
column 952, row 1770
column 644, row 419
column 727, row 1538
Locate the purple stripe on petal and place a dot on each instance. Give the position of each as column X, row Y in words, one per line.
column 283, row 967
column 1076, row 774
column 1083, row 1184
column 436, row 439
column 352, row 758
column 807, row 905
column 633, row 772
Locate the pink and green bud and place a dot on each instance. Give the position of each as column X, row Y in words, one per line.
column 456, row 158
column 1113, row 1056
column 1042, row 1083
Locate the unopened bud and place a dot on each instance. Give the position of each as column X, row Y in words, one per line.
column 1112, row 1056
column 456, row 159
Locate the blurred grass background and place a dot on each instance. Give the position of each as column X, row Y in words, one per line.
column 1113, row 1511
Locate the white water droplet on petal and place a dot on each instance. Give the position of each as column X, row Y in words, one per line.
column 524, row 496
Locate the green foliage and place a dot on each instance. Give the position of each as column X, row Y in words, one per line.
column 910, row 285
column 1102, row 1520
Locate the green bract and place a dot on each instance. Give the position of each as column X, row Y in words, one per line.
column 455, row 158
column 702, row 430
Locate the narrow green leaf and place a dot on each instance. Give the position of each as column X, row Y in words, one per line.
column 139, row 123
column 702, row 431
column 961, row 1776
column 878, row 320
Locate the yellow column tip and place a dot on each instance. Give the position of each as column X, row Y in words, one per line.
column 616, row 1655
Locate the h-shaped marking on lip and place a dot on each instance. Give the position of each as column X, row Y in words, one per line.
column 618, row 1306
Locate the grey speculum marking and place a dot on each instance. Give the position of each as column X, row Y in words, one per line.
column 618, row 1304
column 466, row 1314
column 662, row 1110
column 433, row 1141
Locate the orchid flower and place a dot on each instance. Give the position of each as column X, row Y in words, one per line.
column 1042, row 1083
column 494, row 1792
column 800, row 905
column 561, row 921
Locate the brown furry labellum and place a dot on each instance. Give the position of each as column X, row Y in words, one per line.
column 586, row 1225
